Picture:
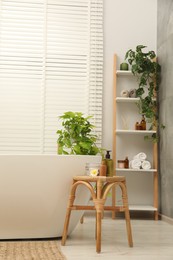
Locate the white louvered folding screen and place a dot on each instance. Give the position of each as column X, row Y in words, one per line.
column 51, row 61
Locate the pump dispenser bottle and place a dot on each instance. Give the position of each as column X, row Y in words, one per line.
column 126, row 163
column 103, row 168
column 109, row 163
column 143, row 123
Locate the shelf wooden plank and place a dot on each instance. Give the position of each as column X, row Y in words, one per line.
column 142, row 208
column 124, row 72
column 135, row 170
column 128, row 99
column 142, row 132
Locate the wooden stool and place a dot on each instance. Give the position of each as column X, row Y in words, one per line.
column 99, row 195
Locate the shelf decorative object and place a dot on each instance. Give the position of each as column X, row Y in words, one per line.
column 124, row 66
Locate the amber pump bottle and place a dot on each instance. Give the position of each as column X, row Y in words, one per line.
column 143, row 123
column 103, row 168
column 109, row 163
column 126, row 165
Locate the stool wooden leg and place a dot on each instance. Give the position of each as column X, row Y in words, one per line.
column 127, row 214
column 66, row 224
column 98, row 231
column 99, row 206
column 96, row 226
column 82, row 219
column 128, row 226
column 67, row 219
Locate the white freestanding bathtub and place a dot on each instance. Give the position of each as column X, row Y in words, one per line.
column 34, row 192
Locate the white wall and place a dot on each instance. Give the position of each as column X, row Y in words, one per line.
column 165, row 53
column 127, row 23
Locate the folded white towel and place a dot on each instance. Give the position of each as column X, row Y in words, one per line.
column 146, row 165
column 135, row 164
column 140, row 156
column 124, row 93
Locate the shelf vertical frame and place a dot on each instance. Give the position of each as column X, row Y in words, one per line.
column 155, row 150
column 114, row 133
column 155, row 180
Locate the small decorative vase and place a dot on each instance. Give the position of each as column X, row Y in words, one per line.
column 124, row 66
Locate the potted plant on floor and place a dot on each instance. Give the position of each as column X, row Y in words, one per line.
column 147, row 70
column 76, row 135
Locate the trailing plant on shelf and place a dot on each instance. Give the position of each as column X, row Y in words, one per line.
column 76, row 135
column 147, row 70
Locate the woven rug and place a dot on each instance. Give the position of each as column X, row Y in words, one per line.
column 30, row 250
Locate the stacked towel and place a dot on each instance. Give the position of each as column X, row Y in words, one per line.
column 135, row 164
column 139, row 162
column 124, row 93
column 141, row 156
column 146, row 165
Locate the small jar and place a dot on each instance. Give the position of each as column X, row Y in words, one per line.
column 121, row 164
column 137, row 126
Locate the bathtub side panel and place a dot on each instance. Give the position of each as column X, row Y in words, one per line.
column 34, row 193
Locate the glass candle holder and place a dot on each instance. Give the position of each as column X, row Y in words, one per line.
column 92, row 169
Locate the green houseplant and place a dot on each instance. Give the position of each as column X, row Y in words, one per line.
column 76, row 135
column 147, row 70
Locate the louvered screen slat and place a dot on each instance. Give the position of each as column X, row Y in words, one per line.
column 51, row 61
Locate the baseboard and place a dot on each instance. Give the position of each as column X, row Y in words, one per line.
column 166, row 219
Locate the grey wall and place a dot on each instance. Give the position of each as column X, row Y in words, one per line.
column 165, row 58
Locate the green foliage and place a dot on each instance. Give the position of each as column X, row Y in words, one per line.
column 76, row 136
column 145, row 67
column 147, row 71
column 153, row 138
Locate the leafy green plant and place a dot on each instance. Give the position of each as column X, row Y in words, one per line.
column 147, row 71
column 76, row 135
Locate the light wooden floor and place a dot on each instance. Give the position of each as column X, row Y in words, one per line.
column 153, row 240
